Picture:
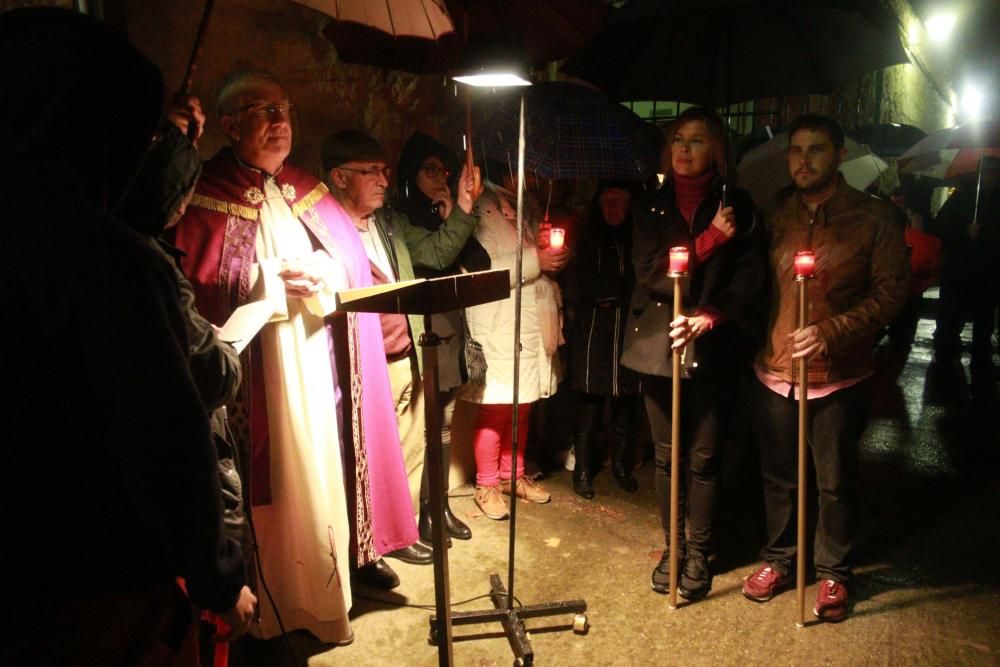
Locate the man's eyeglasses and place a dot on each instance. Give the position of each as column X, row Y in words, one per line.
column 269, row 111
column 433, row 171
column 370, row 173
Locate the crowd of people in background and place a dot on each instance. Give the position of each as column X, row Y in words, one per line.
column 300, row 464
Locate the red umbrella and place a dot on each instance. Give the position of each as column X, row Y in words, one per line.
column 952, row 152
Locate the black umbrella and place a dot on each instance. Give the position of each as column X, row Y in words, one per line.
column 888, row 139
column 572, row 131
column 714, row 52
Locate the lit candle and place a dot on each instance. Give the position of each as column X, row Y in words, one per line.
column 805, row 263
column 557, row 237
column 678, row 261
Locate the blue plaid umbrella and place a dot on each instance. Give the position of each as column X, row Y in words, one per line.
column 571, row 131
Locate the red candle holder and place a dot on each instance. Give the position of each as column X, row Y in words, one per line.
column 805, row 264
column 678, row 265
column 557, row 237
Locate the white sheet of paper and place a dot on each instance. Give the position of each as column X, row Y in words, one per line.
column 245, row 322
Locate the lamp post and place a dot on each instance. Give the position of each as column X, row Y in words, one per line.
column 678, row 270
column 805, row 265
column 503, row 610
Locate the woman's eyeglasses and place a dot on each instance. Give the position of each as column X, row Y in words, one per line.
column 433, row 171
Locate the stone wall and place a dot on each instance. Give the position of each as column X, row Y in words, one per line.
column 285, row 38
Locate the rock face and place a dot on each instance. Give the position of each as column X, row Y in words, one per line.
column 285, row 38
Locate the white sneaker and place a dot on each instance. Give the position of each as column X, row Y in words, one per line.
column 570, row 463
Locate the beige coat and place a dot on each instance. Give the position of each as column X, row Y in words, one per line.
column 492, row 324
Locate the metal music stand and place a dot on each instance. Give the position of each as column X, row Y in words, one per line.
column 427, row 297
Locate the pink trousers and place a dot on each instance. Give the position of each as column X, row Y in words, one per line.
column 492, row 440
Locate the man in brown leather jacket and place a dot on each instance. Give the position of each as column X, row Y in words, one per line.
column 860, row 284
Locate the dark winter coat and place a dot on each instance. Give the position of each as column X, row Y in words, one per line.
column 604, row 278
column 732, row 281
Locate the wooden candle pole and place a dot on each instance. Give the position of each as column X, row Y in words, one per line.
column 804, row 265
column 678, row 270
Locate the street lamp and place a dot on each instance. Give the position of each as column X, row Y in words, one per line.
column 940, row 26
column 482, row 71
column 493, row 79
column 972, row 102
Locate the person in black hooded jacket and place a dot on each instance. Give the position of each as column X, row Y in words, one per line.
column 113, row 436
column 154, row 204
column 424, row 192
column 725, row 310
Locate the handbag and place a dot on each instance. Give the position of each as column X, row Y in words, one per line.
column 472, row 360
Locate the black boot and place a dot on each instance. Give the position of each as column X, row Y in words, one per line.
column 425, row 523
column 621, row 455
column 456, row 527
column 583, row 481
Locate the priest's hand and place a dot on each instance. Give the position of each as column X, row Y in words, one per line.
column 301, row 279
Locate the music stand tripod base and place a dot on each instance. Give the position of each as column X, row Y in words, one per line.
column 512, row 620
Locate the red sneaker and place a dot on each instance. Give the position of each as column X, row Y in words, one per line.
column 762, row 585
column 831, row 601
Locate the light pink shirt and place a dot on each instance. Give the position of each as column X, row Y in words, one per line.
column 818, row 390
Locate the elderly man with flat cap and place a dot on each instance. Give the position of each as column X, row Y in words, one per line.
column 314, row 418
column 356, row 166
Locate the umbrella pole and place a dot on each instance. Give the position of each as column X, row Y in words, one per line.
column 675, row 452
column 192, row 65
column 728, row 142
column 468, row 130
column 979, row 186
column 503, row 610
column 800, row 561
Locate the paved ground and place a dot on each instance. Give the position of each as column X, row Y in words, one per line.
column 926, row 588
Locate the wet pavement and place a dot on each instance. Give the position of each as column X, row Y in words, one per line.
column 926, row 588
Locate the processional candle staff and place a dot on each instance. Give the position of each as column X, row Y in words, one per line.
column 805, row 265
column 677, row 269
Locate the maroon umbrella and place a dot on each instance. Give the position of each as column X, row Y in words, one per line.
column 388, row 33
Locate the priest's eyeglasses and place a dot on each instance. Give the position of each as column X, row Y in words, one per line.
column 269, row 111
column 371, row 173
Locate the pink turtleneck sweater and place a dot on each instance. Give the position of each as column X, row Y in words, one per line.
column 690, row 191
